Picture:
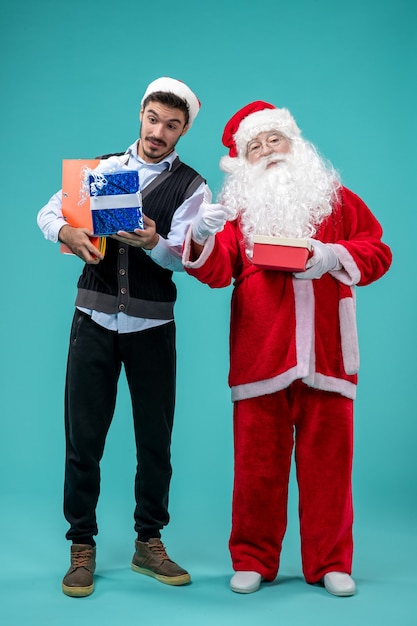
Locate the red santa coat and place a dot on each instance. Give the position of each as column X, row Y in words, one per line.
column 284, row 328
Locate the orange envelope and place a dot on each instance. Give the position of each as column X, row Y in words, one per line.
column 77, row 215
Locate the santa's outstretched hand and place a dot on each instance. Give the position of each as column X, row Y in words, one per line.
column 210, row 219
column 324, row 259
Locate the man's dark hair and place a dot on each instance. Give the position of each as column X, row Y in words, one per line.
column 168, row 99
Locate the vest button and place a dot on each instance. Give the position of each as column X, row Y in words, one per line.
column 121, row 307
column 122, row 250
column 123, row 290
column 122, row 271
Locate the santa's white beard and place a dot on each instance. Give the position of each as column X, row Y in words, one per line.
column 289, row 199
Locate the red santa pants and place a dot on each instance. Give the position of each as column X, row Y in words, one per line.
column 320, row 424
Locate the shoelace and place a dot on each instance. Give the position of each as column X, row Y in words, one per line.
column 81, row 559
column 159, row 550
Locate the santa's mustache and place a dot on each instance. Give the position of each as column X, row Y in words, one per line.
column 275, row 158
column 267, row 162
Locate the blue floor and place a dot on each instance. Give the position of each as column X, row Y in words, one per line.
column 34, row 561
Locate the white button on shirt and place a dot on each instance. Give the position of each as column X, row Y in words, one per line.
column 167, row 252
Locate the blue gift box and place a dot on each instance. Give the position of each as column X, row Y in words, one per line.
column 115, row 202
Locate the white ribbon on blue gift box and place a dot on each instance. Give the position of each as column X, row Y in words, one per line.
column 119, row 201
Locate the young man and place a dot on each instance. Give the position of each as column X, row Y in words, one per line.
column 124, row 316
column 293, row 342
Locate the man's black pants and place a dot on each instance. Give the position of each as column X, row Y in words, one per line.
column 95, row 359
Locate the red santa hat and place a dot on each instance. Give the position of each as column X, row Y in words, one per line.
column 254, row 118
column 178, row 88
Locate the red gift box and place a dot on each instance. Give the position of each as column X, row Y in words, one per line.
column 281, row 253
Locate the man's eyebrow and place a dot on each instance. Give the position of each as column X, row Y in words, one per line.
column 173, row 119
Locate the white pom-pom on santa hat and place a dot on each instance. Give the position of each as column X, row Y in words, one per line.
column 178, row 88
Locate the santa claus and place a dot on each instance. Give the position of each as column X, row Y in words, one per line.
column 293, row 343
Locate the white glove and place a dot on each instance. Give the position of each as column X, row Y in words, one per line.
column 324, row 260
column 210, row 219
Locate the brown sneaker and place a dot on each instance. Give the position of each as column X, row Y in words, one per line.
column 151, row 559
column 78, row 581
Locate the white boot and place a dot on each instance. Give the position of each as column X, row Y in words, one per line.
column 339, row 584
column 245, row 582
